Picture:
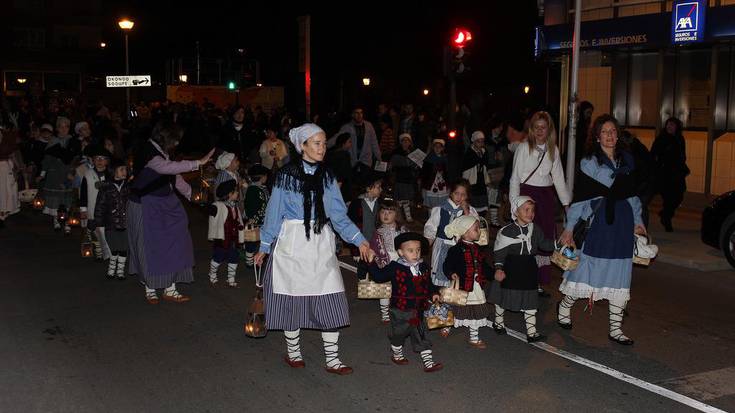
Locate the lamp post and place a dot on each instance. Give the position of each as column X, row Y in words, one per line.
column 126, row 25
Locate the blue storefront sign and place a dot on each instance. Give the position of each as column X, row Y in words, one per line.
column 687, row 21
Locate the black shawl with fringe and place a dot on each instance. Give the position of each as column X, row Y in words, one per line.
column 292, row 177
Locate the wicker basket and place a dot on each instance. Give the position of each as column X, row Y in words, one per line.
column 252, row 233
column 370, row 290
column 638, row 260
column 484, row 233
column 566, row 264
column 434, row 322
column 453, row 295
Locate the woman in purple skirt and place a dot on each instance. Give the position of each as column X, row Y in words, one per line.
column 302, row 283
column 161, row 252
column 538, row 173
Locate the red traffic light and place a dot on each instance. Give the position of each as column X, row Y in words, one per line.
column 452, row 134
column 461, row 37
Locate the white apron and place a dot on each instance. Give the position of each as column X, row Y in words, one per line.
column 9, row 203
column 305, row 268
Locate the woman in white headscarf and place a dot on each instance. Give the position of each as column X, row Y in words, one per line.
column 302, row 282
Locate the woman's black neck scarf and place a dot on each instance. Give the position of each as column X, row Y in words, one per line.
column 623, row 187
column 292, row 177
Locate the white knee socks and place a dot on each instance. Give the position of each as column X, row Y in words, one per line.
column 112, row 266
column 427, row 359
column 292, row 344
column 397, row 352
column 213, row 267
column 474, row 335
column 231, row 271
column 565, row 310
column 384, row 309
column 120, row 266
column 530, row 317
column 331, row 349
column 616, row 320
column 499, row 316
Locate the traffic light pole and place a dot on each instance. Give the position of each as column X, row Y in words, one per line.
column 452, row 101
column 572, row 122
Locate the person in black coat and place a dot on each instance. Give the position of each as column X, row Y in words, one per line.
column 338, row 159
column 669, row 160
column 233, row 133
column 642, row 172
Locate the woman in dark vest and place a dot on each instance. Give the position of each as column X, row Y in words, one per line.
column 161, row 252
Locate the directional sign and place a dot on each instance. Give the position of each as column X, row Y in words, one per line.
column 128, row 81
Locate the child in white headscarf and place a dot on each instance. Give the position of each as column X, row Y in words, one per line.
column 228, row 166
column 516, row 270
column 467, row 266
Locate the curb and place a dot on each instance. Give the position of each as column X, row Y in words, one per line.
column 709, row 265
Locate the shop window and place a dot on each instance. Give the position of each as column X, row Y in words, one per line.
column 643, row 97
column 693, row 86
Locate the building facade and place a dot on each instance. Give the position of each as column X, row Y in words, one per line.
column 644, row 61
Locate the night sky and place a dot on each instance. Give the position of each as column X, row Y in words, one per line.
column 398, row 46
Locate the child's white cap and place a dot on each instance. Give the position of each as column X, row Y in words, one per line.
column 459, row 226
column 518, row 202
column 224, row 160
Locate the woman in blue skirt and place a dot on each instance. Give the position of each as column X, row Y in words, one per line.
column 605, row 191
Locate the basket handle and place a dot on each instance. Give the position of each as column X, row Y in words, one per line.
column 258, row 269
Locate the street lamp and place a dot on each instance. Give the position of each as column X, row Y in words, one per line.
column 126, row 25
column 366, row 81
column 103, row 45
column 183, row 78
column 21, row 80
column 526, row 89
column 426, row 92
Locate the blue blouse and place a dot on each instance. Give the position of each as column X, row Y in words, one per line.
column 605, row 175
column 284, row 204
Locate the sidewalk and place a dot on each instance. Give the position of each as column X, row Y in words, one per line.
column 683, row 247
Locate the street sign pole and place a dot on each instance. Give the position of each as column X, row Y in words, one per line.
column 127, row 73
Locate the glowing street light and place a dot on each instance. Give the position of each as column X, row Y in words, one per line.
column 103, row 45
column 526, row 89
column 426, row 92
column 259, row 84
column 366, row 81
column 21, row 80
column 126, row 24
column 183, row 78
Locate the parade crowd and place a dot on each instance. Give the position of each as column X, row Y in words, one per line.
column 487, row 208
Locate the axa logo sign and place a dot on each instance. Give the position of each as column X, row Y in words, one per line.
column 687, row 16
column 687, row 19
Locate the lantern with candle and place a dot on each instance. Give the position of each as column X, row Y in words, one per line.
column 62, row 214
column 255, row 321
column 38, row 202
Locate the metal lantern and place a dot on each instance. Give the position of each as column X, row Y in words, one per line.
column 74, row 219
column 61, row 214
column 201, row 194
column 255, row 322
column 38, row 202
column 87, row 249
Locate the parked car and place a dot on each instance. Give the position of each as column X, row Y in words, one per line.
column 718, row 225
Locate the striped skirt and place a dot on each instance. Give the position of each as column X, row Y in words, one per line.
column 287, row 312
column 137, row 254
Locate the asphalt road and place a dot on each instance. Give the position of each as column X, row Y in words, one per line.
column 72, row 341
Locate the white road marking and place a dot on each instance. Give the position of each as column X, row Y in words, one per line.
column 669, row 394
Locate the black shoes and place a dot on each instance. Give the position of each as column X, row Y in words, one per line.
column 499, row 330
column 537, row 337
column 565, row 326
column 621, row 339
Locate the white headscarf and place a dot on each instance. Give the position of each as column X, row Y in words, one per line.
column 459, row 226
column 518, row 202
column 299, row 135
column 477, row 135
column 224, row 160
